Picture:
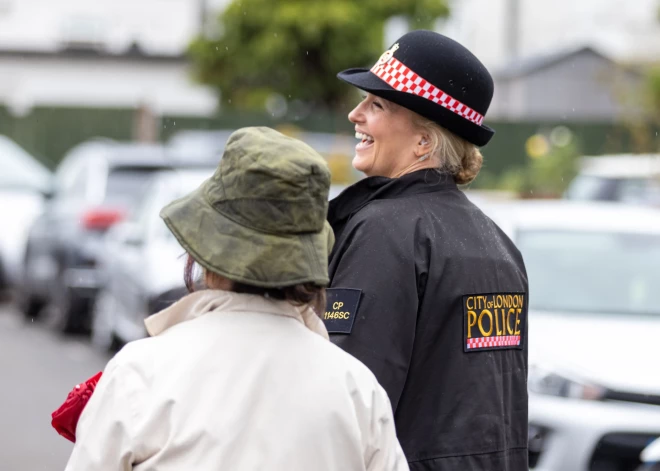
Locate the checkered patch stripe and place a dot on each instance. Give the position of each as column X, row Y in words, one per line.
column 490, row 342
column 401, row 78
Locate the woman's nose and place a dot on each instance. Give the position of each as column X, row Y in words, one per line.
column 356, row 116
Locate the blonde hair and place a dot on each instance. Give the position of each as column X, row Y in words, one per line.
column 454, row 154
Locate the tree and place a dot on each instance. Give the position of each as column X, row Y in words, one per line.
column 293, row 49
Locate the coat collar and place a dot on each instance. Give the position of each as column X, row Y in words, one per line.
column 203, row 302
column 358, row 195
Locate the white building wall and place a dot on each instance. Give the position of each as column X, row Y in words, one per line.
column 158, row 26
column 165, row 87
column 627, row 30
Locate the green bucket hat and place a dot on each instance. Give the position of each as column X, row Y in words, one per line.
column 261, row 218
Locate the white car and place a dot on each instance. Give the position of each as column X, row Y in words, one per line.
column 624, row 178
column 142, row 263
column 594, row 330
column 23, row 184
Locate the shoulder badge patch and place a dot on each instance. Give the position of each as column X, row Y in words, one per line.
column 494, row 321
column 340, row 309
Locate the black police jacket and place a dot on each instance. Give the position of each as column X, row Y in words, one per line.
column 432, row 296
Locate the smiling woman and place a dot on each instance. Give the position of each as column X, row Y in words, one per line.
column 395, row 141
column 413, row 254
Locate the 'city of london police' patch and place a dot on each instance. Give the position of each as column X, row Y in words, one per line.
column 494, row 321
column 341, row 309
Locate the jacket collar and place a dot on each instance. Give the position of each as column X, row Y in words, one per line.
column 358, row 195
column 203, row 302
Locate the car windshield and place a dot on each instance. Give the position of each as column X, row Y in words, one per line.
column 592, row 271
column 126, row 186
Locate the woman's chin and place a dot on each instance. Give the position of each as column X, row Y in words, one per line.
column 363, row 163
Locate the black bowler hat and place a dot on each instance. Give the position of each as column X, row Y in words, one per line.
column 436, row 77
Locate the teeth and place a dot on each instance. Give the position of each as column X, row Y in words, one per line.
column 364, row 137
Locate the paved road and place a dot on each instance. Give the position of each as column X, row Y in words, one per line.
column 37, row 370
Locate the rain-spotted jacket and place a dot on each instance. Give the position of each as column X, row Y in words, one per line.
column 431, row 295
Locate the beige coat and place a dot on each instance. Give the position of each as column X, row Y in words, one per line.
column 236, row 382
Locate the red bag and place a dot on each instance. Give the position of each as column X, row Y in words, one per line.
column 65, row 419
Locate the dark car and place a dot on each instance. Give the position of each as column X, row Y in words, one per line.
column 97, row 185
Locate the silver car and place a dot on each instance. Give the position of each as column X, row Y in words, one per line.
column 594, row 330
column 142, row 263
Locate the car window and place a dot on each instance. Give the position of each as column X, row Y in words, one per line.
column 175, row 186
column 73, row 179
column 638, row 190
column 591, row 188
column 160, row 191
column 592, row 272
column 127, row 185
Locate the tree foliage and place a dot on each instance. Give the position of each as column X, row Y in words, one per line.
column 295, row 48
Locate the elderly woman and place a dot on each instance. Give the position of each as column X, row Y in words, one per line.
column 241, row 375
column 425, row 289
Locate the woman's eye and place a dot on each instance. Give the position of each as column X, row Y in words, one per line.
column 378, row 105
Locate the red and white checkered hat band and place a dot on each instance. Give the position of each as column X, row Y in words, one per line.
column 489, row 342
column 401, row 78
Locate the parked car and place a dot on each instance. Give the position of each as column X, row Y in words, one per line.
column 142, row 263
column 24, row 182
column 96, row 185
column 622, row 178
column 594, row 324
column 199, row 144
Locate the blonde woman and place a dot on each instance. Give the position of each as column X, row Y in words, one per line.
column 425, row 289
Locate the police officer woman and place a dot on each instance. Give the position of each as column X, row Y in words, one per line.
column 241, row 376
column 426, row 290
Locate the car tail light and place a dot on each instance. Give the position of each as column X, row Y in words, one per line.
column 100, row 219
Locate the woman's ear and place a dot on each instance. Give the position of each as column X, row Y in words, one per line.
column 423, row 146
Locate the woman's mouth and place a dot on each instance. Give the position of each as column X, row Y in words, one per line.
column 365, row 140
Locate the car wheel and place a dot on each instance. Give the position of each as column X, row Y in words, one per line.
column 28, row 303
column 103, row 333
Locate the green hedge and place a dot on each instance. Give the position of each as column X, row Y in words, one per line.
column 48, row 133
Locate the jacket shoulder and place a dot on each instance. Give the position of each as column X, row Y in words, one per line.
column 342, row 366
column 386, row 215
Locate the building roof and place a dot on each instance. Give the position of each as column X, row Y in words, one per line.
column 528, row 65
column 89, row 51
